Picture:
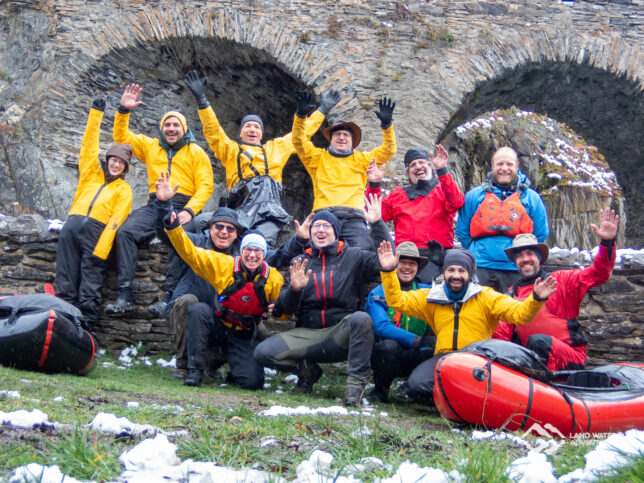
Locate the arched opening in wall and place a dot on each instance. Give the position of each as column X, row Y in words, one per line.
column 606, row 109
column 241, row 80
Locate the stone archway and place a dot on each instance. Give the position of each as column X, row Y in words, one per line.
column 605, row 108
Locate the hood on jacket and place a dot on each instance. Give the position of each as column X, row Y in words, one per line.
column 437, row 293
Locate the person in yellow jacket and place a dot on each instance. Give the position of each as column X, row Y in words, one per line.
column 459, row 310
column 247, row 288
column 176, row 151
column 339, row 173
column 253, row 169
column 101, row 204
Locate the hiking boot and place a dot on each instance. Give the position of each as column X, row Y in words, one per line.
column 158, row 309
column 124, row 303
column 308, row 374
column 180, row 373
column 379, row 394
column 193, row 378
column 354, row 390
column 219, row 376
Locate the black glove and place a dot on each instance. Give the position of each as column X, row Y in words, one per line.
column 385, row 112
column 436, row 253
column 166, row 221
column 328, row 100
column 197, row 87
column 304, row 104
column 98, row 104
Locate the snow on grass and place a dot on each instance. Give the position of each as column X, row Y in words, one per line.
column 5, row 394
column 25, row 419
column 282, row 411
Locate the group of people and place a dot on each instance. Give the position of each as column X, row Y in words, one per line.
column 222, row 277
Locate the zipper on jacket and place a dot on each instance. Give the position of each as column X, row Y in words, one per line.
column 457, row 311
column 91, row 205
column 322, row 314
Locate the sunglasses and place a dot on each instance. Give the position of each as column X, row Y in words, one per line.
column 228, row 228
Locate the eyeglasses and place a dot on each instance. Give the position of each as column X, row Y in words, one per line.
column 228, row 228
column 321, row 226
column 252, row 250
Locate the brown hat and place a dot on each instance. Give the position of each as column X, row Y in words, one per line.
column 409, row 251
column 527, row 240
column 121, row 151
column 352, row 127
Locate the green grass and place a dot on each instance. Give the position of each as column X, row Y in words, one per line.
column 223, row 426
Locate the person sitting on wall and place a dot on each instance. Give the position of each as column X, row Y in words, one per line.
column 555, row 333
column 459, row 310
column 402, row 342
column 494, row 213
column 101, row 204
column 339, row 172
column 253, row 169
column 176, row 151
column 423, row 212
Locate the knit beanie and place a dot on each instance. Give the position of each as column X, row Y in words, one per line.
column 326, row 215
column 178, row 115
column 254, row 240
column 415, row 153
column 225, row 214
column 121, row 151
column 462, row 258
column 249, row 118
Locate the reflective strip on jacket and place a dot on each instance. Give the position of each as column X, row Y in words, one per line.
column 113, row 203
column 278, row 150
column 190, row 168
column 339, row 181
column 461, row 323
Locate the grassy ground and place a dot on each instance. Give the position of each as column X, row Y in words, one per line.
column 223, row 426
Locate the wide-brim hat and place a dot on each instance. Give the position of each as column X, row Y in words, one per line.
column 409, row 251
column 356, row 133
column 527, row 240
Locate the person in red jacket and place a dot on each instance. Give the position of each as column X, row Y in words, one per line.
column 423, row 212
column 554, row 333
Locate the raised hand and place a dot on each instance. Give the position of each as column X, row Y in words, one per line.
column 197, row 87
column 303, row 230
column 545, row 288
column 608, row 224
column 372, row 208
column 440, row 160
column 299, row 275
column 328, row 100
column 386, row 256
column 129, row 99
column 98, row 104
column 304, row 103
column 385, row 112
column 374, row 173
column 163, row 188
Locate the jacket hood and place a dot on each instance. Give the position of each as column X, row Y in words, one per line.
column 437, row 293
column 521, row 184
column 187, row 138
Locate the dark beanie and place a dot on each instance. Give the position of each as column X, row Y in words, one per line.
column 326, row 215
column 415, row 153
column 251, row 117
column 227, row 215
column 462, row 258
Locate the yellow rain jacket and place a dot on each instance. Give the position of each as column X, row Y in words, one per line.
column 106, row 202
column 339, row 181
column 217, row 268
column 190, row 165
column 479, row 313
column 277, row 150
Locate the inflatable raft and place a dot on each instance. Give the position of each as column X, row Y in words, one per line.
column 41, row 332
column 498, row 384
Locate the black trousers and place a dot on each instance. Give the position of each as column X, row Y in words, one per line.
column 79, row 274
column 420, row 385
column 499, row 280
column 203, row 327
column 354, row 229
column 139, row 227
column 390, row 360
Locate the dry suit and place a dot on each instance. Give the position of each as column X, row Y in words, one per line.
column 100, row 206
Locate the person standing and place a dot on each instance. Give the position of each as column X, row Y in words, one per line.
column 101, row 204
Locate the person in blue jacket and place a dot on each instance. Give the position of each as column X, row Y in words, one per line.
column 402, row 342
column 503, row 207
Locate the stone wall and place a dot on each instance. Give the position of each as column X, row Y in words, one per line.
column 613, row 314
column 443, row 62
